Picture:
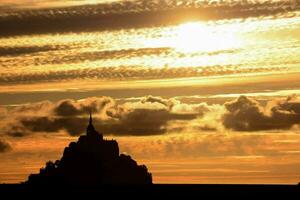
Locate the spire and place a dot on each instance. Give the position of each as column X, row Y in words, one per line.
column 90, row 128
column 91, row 119
column 91, row 131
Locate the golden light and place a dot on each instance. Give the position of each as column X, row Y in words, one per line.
column 198, row 37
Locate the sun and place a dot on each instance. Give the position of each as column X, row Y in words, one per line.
column 199, row 37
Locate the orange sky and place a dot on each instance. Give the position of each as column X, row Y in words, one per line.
column 202, row 96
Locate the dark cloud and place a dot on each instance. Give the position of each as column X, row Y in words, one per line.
column 70, row 107
column 132, row 14
column 139, row 118
column 4, row 146
column 246, row 114
column 151, row 116
column 15, row 51
column 138, row 122
column 72, row 125
column 77, row 57
column 145, row 122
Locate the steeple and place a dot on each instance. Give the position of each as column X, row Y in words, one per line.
column 91, row 119
column 90, row 128
column 91, row 131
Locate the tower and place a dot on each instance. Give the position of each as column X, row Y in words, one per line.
column 90, row 128
column 91, row 131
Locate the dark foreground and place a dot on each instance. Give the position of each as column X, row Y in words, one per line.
column 155, row 191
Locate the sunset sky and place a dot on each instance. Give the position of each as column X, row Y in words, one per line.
column 204, row 91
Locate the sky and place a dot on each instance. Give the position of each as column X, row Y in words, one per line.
column 199, row 91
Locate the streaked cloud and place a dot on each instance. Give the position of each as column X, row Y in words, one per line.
column 151, row 53
column 129, row 73
column 193, row 145
column 16, row 51
column 139, row 13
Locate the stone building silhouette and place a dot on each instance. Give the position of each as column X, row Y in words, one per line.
column 91, row 161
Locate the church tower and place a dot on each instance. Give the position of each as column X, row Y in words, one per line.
column 91, row 131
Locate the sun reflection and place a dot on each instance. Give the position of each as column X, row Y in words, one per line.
column 199, row 37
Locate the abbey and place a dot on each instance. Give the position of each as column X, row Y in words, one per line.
column 93, row 144
column 91, row 161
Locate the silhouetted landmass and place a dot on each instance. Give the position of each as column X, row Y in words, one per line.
column 92, row 161
column 92, row 166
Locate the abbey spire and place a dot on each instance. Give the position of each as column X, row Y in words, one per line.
column 91, row 120
column 90, row 130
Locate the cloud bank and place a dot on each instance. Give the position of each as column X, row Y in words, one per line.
column 134, row 14
column 151, row 116
column 246, row 114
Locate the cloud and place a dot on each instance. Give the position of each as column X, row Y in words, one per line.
column 15, row 51
column 134, row 14
column 147, row 122
column 169, row 103
column 246, row 114
column 70, row 107
column 193, row 145
column 4, row 146
column 137, row 122
column 124, row 73
column 150, row 116
column 82, row 56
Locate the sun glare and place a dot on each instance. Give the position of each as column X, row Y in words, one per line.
column 198, row 37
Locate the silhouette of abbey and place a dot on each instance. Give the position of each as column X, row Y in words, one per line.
column 91, row 161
